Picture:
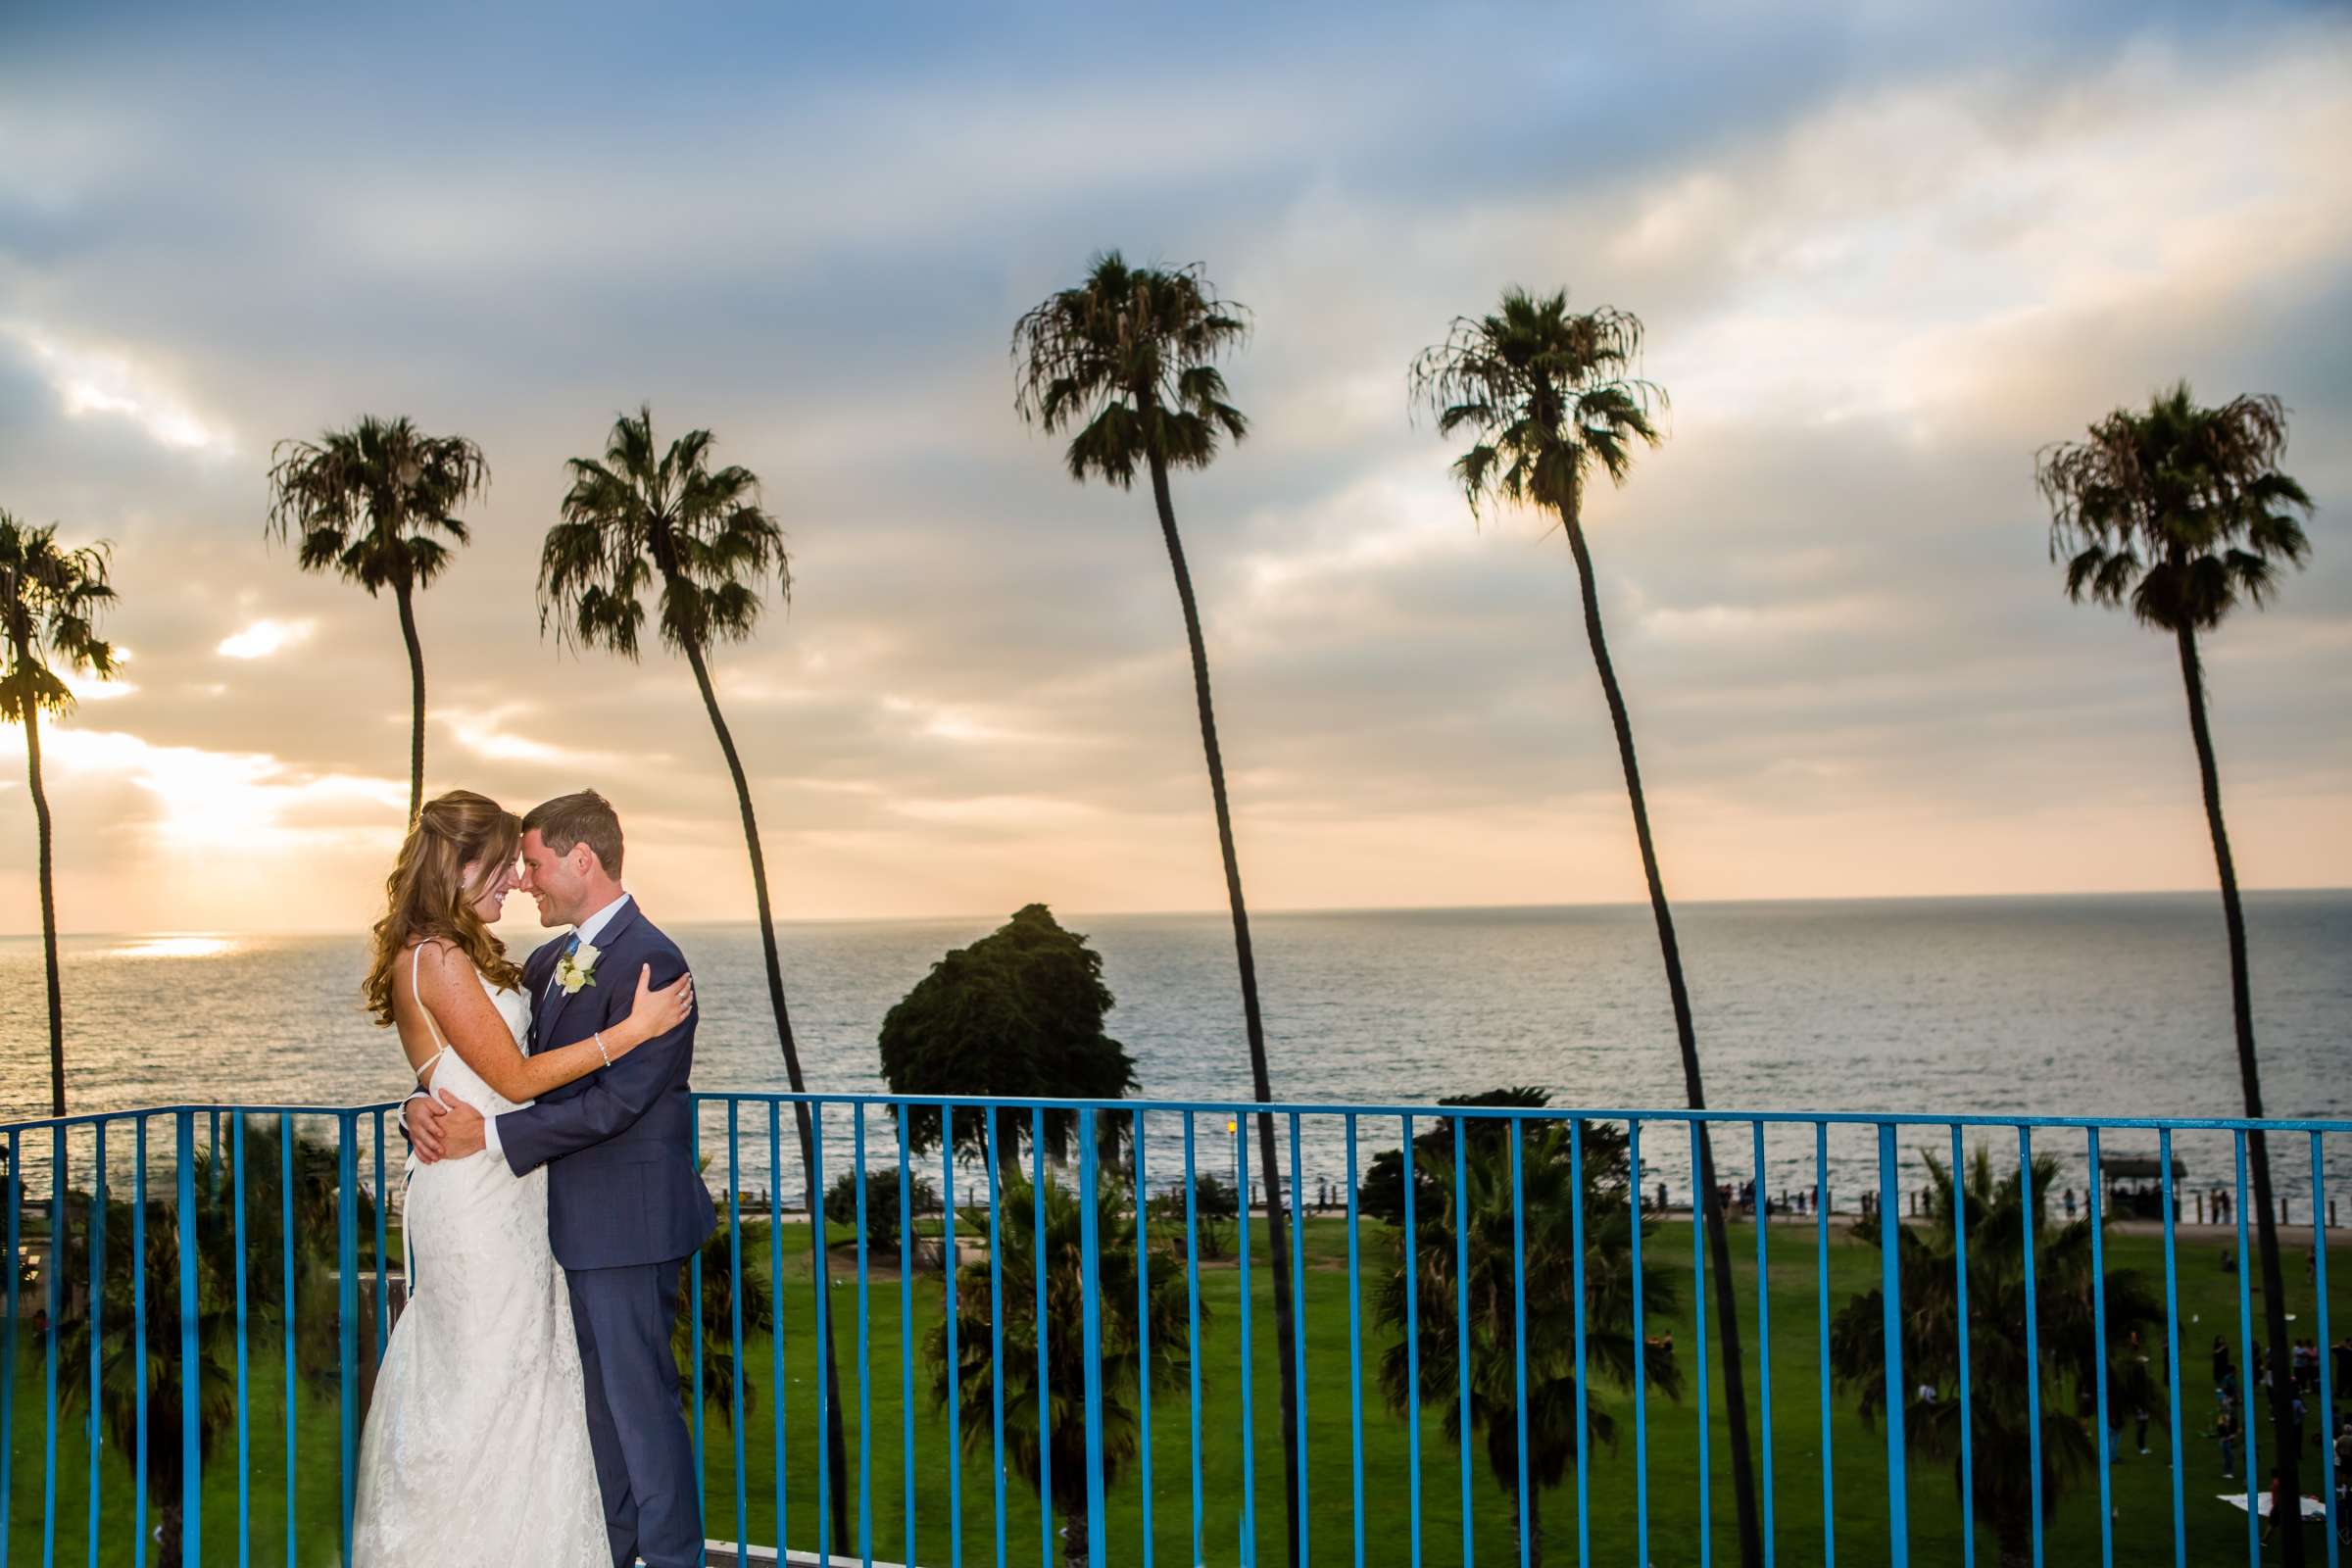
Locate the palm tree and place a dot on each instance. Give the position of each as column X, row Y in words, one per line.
column 1060, row 1253
column 367, row 503
column 1548, row 394
column 644, row 519
column 2181, row 512
column 49, row 602
column 1995, row 1218
column 1127, row 360
column 1547, row 1207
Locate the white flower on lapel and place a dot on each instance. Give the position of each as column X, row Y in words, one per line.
column 576, row 969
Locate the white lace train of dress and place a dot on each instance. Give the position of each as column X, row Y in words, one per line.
column 475, row 1453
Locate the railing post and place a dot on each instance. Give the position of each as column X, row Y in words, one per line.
column 2318, row 1253
column 1891, row 1296
column 97, row 1310
column 2031, row 1211
column 1412, row 1342
column 2098, row 1317
column 1821, row 1264
column 347, row 1306
column 2172, row 1345
column 236, row 1145
column 1966, row 1389
column 138, row 1334
column 53, row 1271
column 1090, row 1280
column 8, row 1331
column 191, row 1469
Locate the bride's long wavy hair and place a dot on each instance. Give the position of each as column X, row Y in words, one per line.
column 426, row 897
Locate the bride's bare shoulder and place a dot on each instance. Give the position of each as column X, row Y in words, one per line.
column 440, row 962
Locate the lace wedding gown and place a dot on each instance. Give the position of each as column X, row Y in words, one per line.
column 475, row 1454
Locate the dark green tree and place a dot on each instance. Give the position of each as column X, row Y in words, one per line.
column 1060, row 1250
column 1017, row 1015
column 1128, row 361
column 883, row 1221
column 50, row 599
column 1993, row 1215
column 366, row 504
column 2182, row 513
column 1550, row 396
column 1547, row 1199
column 648, row 520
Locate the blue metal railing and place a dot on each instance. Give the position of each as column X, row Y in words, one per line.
column 173, row 1293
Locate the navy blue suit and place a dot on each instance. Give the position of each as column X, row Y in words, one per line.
column 625, row 1210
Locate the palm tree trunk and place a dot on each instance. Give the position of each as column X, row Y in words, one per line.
column 836, row 1445
column 404, row 596
column 1727, row 1297
column 1261, row 1081
column 2285, row 1439
column 41, row 815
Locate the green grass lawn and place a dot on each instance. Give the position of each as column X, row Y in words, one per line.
column 1384, row 1519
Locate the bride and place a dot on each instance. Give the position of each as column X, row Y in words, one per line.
column 477, row 1446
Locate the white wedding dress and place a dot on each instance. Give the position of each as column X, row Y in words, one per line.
column 475, row 1454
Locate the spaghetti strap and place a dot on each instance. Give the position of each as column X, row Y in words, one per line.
column 416, row 956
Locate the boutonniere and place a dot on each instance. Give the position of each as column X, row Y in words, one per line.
column 576, row 969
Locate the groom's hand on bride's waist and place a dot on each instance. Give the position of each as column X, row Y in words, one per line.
column 442, row 1128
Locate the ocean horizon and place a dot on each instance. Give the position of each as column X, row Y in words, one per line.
column 2035, row 1004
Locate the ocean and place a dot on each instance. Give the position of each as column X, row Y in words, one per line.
column 2060, row 1005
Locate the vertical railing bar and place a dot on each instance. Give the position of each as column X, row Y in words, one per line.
column 1821, row 1263
column 821, row 1264
column 347, row 1306
column 743, row 1501
column 236, row 1145
column 2318, row 1253
column 383, row 1301
column 1891, row 1294
column 1090, row 1313
column 1192, row 1304
column 694, row 1319
column 1412, row 1338
column 1762, row 1209
column 865, row 1385
column 1519, row 1324
column 996, row 1315
column 1698, row 1336
column 1143, row 1333
column 1584, row 1426
column 1461, row 1319
column 2031, row 1211
column 1299, row 1329
column 191, row 1470
column 952, row 1307
column 2099, row 1317
column 96, row 1427
column 1968, row 1389
column 1045, row 1408
column 1356, row 1350
column 53, row 1271
column 8, row 1330
column 778, row 1379
column 1633, row 1142
column 138, row 1336
column 906, row 1333
column 1248, row 1519
column 2249, row 1425
column 2172, row 1344
column 285, row 1235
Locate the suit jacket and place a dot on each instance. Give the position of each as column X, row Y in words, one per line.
column 621, row 1184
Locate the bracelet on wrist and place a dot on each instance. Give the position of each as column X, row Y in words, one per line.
column 598, row 1036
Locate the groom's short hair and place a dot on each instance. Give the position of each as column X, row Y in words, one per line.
column 586, row 817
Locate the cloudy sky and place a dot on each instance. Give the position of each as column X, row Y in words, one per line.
column 1882, row 258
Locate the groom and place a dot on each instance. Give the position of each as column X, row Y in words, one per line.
column 625, row 1207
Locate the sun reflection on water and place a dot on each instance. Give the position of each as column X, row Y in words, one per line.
column 174, row 948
